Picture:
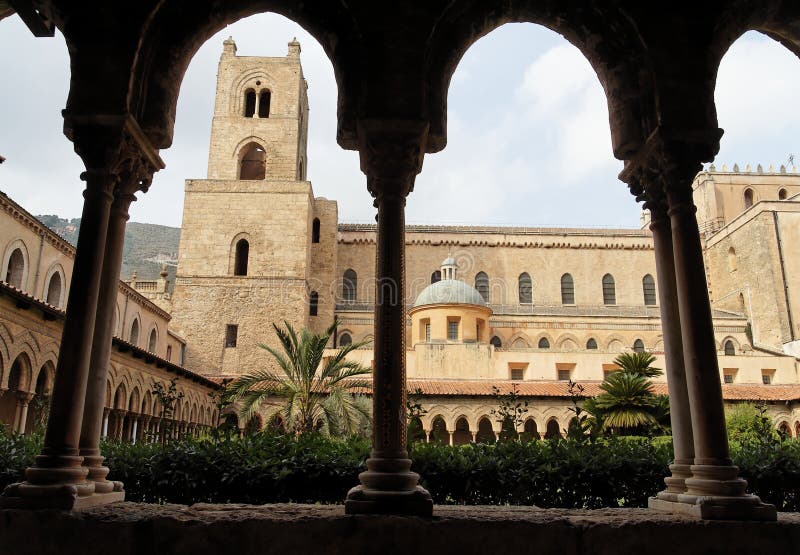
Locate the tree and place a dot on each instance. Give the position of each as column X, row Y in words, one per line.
column 167, row 397
column 414, row 414
column 638, row 363
column 510, row 412
column 312, row 391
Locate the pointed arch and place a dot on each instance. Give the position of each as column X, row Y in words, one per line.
column 252, row 162
column 482, row 285
column 525, row 288
column 16, row 265
column 133, row 334
column 567, row 289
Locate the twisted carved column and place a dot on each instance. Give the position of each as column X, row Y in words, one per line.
column 391, row 157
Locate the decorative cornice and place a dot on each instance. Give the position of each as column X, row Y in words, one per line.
column 34, row 224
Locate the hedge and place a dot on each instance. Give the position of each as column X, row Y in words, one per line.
column 609, row 472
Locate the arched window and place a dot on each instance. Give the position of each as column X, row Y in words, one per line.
column 638, row 346
column 609, row 290
column 530, row 432
column 253, row 163
column 349, row 285
column 54, row 290
column 567, row 289
column 553, row 430
column 544, row 343
column 241, row 257
column 345, row 340
column 733, row 262
column 16, row 269
column 482, row 285
column 313, row 303
column 591, row 344
column 263, row 103
column 729, row 348
column 496, row 342
column 315, row 231
column 485, row 432
column 782, row 194
column 525, row 288
column 133, row 337
column 436, row 276
column 249, row 103
column 151, row 343
column 169, row 352
column 649, row 290
column 748, row 198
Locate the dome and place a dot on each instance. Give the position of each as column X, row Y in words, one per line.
column 449, row 291
column 449, row 261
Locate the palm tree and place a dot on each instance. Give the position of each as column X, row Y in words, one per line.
column 312, row 392
column 638, row 363
column 626, row 402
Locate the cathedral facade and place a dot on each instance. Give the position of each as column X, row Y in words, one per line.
column 535, row 307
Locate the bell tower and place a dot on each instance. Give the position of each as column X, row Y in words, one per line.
column 260, row 125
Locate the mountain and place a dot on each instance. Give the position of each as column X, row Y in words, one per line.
column 147, row 246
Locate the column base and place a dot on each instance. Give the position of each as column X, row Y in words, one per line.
column 64, row 501
column 676, row 482
column 745, row 507
column 362, row 501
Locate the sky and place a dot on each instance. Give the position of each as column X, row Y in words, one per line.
column 528, row 135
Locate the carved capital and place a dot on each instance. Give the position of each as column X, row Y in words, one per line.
column 391, row 153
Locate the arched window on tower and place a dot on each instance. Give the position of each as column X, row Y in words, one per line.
column 133, row 337
column 638, row 346
column 730, row 350
column 54, row 290
column 315, row 231
column 748, row 198
column 249, row 103
column 16, row 269
column 482, row 285
column 253, row 163
column 649, row 290
column 313, row 303
column 525, row 288
column 263, row 103
column 242, row 254
column 609, row 290
column 567, row 289
column 349, row 285
column 782, row 194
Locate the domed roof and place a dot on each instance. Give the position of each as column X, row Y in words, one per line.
column 449, row 291
column 449, row 261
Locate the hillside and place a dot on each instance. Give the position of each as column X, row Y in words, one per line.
column 147, row 246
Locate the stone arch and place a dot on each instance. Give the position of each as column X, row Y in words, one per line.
column 252, row 162
column 729, row 343
column 120, row 397
column 461, row 432
column 615, row 343
column 519, row 340
column 152, row 340
column 485, row 431
column 55, row 286
column 530, row 430
column 345, row 337
column 552, row 429
column 349, row 285
column 23, row 360
column 134, row 331
column 133, row 400
column 44, row 378
column 496, row 341
column 147, row 403
column 784, row 429
column 238, row 260
column 16, row 265
column 567, row 342
column 439, row 433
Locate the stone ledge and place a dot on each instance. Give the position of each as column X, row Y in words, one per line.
column 142, row 529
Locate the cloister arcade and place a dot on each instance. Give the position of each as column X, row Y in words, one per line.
column 657, row 64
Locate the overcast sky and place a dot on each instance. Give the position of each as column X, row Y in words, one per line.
column 528, row 138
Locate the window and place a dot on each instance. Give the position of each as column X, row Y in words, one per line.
column 345, row 339
column 482, row 285
column 544, row 343
column 649, row 290
column 253, row 163
column 151, row 343
column 231, row 335
column 452, row 330
column 349, row 285
column 169, row 352
column 313, row 303
column 609, row 290
column 242, row 254
column 525, row 288
column 567, row 289
column 54, row 290
column 249, row 103
column 563, row 375
column 133, row 337
column 766, row 379
column 496, row 342
column 748, row 198
column 638, row 346
column 263, row 104
column 591, row 344
column 733, row 262
column 517, row 374
column 729, row 348
column 427, row 332
column 315, row 231
column 728, row 378
column 436, row 277
column 16, row 269
column 782, row 194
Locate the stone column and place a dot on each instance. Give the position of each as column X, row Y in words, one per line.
column 135, row 175
column 134, row 429
column 714, row 490
column 119, row 423
column 391, row 155
column 23, row 403
column 451, row 438
column 104, row 432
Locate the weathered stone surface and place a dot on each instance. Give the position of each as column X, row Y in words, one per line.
column 133, row 529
